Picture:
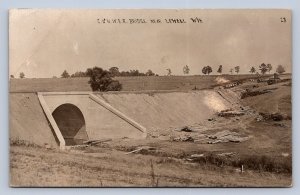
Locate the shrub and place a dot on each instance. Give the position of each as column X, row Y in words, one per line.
column 101, row 80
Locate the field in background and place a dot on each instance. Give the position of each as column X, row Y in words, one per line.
column 128, row 83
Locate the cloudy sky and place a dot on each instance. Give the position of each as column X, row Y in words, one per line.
column 43, row 43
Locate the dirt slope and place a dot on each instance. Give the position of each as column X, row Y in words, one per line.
column 277, row 100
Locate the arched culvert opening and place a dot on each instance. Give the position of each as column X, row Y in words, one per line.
column 71, row 123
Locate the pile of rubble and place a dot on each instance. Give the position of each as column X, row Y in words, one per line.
column 274, row 117
column 230, row 113
column 206, row 138
column 226, row 136
column 249, row 93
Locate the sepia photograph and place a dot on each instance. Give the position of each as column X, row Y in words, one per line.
column 150, row 98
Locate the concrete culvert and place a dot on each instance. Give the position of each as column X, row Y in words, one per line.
column 71, row 123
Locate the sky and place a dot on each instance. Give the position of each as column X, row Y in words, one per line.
column 45, row 42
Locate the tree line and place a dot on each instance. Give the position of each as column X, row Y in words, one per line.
column 113, row 71
column 102, row 80
column 206, row 70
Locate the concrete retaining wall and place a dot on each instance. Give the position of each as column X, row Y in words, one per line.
column 111, row 115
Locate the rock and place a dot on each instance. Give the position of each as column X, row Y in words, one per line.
column 227, row 154
column 230, row 113
column 142, row 149
column 186, row 129
column 184, row 138
column 197, row 155
column 48, row 146
column 226, row 136
column 277, row 117
column 259, row 119
column 274, row 117
column 285, row 154
column 279, row 125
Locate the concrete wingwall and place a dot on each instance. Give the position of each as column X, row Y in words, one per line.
column 100, row 122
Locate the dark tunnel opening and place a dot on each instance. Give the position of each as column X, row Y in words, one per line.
column 71, row 123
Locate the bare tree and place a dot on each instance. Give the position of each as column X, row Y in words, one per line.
column 22, row 75
column 263, row 68
column 169, row 72
column 186, row 69
column 237, row 69
column 220, row 69
column 269, row 66
column 252, row 70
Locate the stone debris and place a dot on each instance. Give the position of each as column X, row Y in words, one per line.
column 183, row 138
column 203, row 138
column 48, row 146
column 195, row 157
column 95, row 142
column 77, row 146
column 249, row 93
column 274, row 117
column 285, row 154
column 230, row 113
column 184, row 129
column 227, row 154
column 279, row 125
column 142, row 149
column 226, row 136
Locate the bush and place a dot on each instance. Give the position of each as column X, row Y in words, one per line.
column 101, row 80
column 114, row 86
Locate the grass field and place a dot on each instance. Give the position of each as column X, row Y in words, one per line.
column 128, row 83
column 104, row 166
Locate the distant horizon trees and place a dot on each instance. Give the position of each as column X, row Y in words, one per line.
column 206, row 70
column 186, row 69
column 237, row 69
column 220, row 69
column 252, row 70
column 78, row 74
column 114, row 71
column 280, row 69
column 169, row 72
column 65, row 74
column 22, row 75
column 263, row 68
column 269, row 66
column 150, row 73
